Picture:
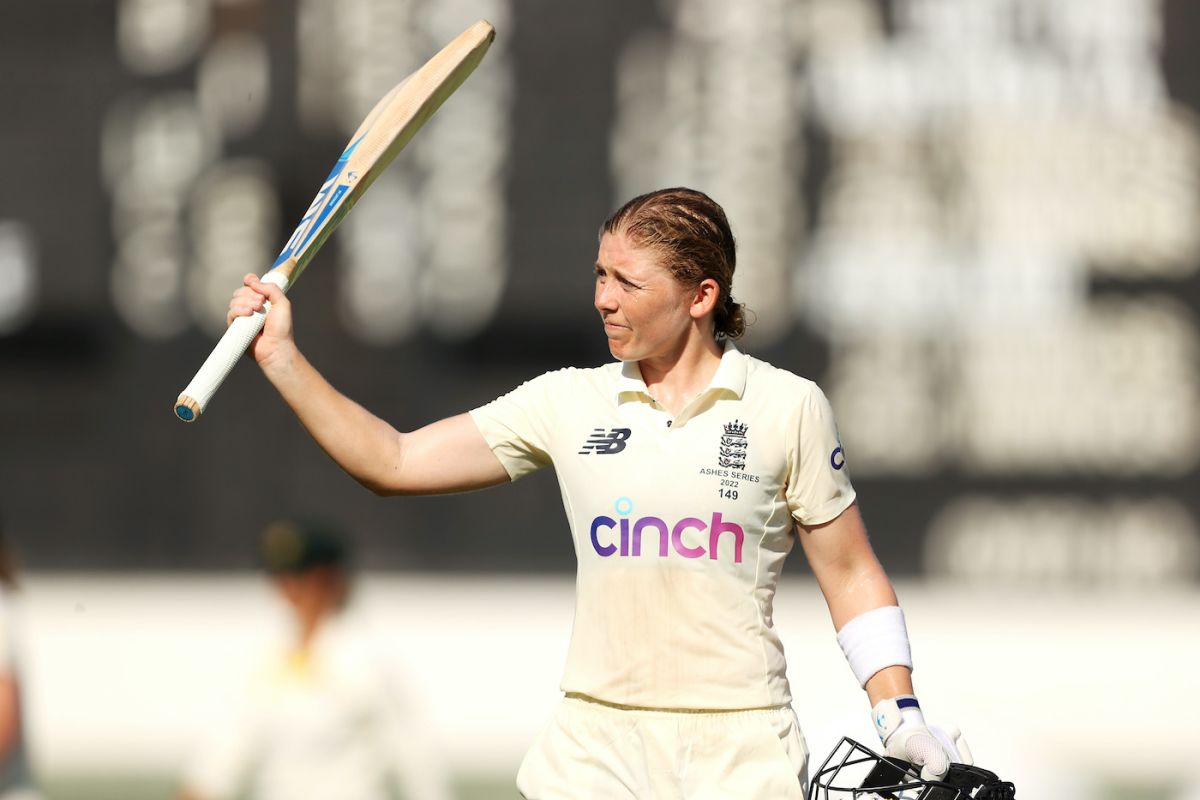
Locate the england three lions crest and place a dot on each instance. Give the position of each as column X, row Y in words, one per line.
column 734, row 445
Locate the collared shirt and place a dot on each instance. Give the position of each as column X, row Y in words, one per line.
column 681, row 525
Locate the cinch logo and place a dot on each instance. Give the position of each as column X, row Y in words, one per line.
column 624, row 536
column 606, row 443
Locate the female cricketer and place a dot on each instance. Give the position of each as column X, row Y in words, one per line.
column 688, row 471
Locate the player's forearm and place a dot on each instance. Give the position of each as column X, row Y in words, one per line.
column 854, row 588
column 891, row 681
column 851, row 577
column 875, row 596
column 859, row 595
column 845, row 566
column 363, row 445
column 858, row 591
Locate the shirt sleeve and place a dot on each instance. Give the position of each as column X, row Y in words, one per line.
column 518, row 426
column 819, row 486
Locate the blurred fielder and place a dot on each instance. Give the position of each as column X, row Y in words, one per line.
column 326, row 719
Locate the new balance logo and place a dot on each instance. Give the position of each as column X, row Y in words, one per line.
column 604, row 442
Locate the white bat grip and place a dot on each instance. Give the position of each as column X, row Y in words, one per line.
column 220, row 362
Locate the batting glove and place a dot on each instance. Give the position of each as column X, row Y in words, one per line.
column 902, row 729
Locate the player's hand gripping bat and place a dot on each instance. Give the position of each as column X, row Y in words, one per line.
column 384, row 133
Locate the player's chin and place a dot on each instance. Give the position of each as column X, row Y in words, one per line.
column 620, row 350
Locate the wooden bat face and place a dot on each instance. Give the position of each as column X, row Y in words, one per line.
column 384, row 132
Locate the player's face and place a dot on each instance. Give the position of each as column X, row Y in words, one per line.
column 310, row 594
column 646, row 311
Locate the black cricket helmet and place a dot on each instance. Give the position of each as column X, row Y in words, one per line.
column 855, row 772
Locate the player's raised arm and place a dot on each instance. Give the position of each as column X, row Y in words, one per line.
column 447, row 456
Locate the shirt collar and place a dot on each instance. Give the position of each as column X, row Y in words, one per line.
column 729, row 377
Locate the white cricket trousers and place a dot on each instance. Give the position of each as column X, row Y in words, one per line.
column 591, row 751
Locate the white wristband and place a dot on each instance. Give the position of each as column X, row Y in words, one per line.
column 875, row 640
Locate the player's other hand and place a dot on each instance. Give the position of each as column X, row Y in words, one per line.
column 906, row 736
column 256, row 296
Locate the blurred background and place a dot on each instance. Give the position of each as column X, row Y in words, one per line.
column 975, row 224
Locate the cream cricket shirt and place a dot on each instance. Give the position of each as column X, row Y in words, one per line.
column 680, row 525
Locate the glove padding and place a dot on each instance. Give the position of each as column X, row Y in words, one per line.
column 906, row 736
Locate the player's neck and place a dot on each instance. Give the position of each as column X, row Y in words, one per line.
column 675, row 378
column 309, row 626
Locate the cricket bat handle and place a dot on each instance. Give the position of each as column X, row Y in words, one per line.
column 220, row 362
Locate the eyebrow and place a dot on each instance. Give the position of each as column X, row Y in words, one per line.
column 620, row 275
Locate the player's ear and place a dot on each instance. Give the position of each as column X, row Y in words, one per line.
column 705, row 298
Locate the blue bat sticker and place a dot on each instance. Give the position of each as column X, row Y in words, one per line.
column 322, row 206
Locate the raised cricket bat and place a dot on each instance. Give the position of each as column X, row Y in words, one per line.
column 384, row 133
